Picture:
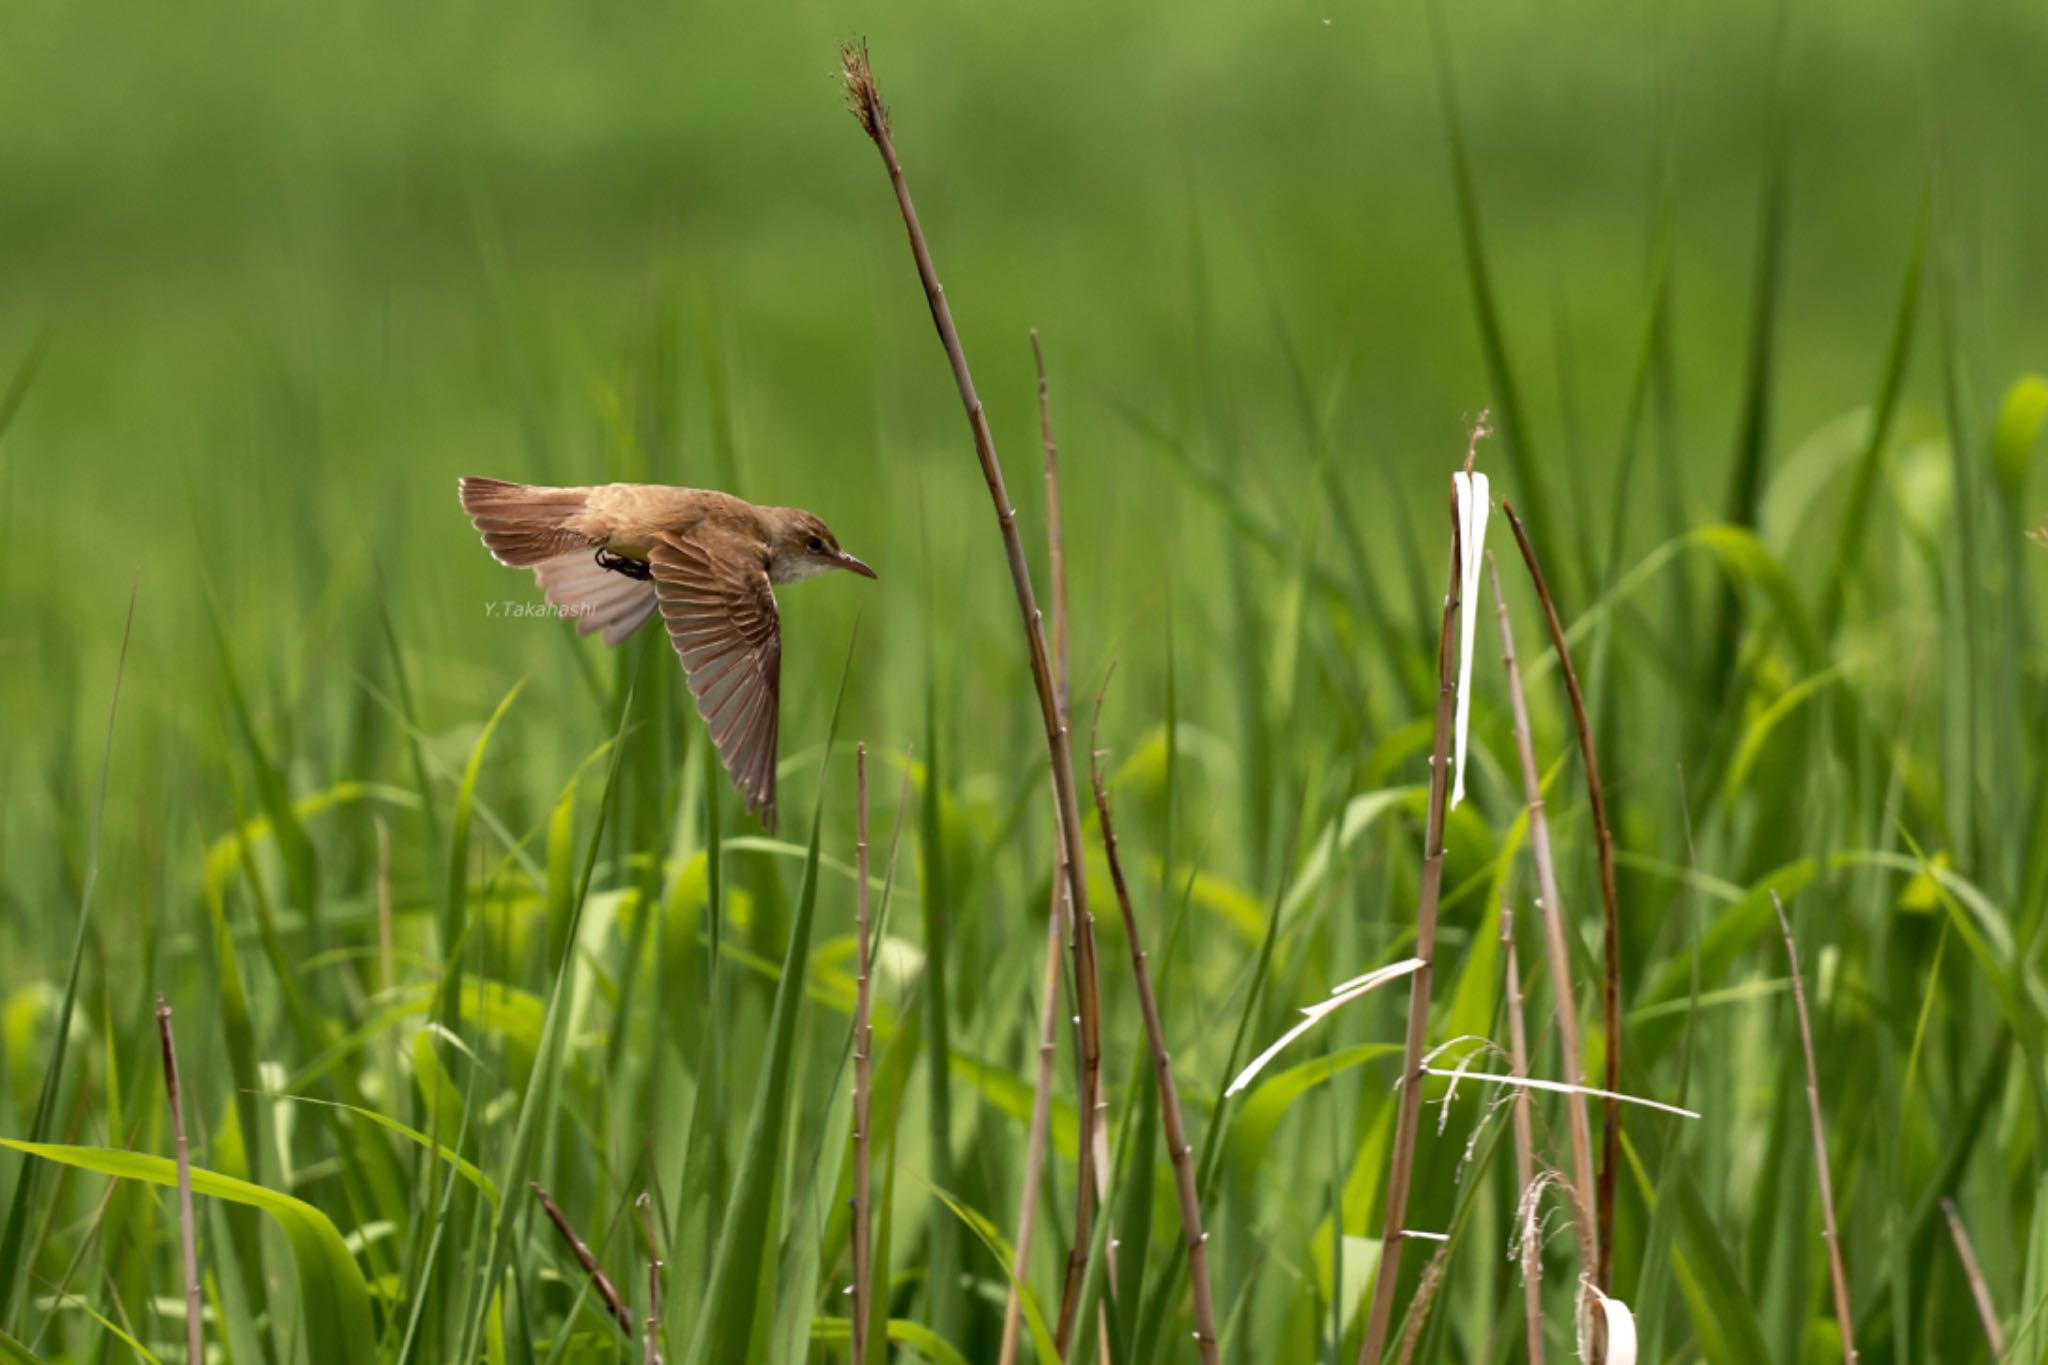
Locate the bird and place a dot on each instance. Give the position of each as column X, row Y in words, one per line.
column 609, row 555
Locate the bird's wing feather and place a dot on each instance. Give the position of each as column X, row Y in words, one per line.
column 595, row 597
column 720, row 609
column 523, row 524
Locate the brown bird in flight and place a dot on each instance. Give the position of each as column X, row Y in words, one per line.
column 609, row 554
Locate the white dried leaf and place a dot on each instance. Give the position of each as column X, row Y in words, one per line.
column 1473, row 506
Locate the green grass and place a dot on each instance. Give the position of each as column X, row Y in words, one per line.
column 1752, row 292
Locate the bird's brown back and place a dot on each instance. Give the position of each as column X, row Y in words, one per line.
column 630, row 518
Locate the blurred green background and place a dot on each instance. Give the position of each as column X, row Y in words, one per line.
column 299, row 270
column 272, row 277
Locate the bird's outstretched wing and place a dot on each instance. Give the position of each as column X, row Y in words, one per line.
column 594, row 597
column 545, row 529
column 720, row 609
column 523, row 524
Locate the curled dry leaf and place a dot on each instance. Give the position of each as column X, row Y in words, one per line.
column 1473, row 504
column 1620, row 1324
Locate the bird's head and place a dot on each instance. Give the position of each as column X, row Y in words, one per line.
column 801, row 546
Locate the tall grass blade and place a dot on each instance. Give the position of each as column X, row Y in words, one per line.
column 334, row 1297
column 455, row 906
column 13, row 1352
column 748, row 1239
column 1510, row 416
column 543, row 1085
column 943, row 1245
column 14, row 1237
column 302, row 870
column 1856, row 512
column 1753, row 423
column 402, row 687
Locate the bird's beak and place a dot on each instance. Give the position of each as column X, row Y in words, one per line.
column 847, row 561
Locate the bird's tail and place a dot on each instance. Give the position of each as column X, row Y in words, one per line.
column 522, row 523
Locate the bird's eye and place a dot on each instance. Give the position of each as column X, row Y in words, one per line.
column 815, row 545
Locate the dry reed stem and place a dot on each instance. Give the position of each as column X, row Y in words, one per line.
column 650, row 1331
column 1055, row 536
column 1056, row 554
column 1178, row 1151
column 1402, row 1167
column 188, row 1235
column 1041, row 1121
column 1551, row 906
column 1056, row 913
column 866, row 101
column 1837, row 1272
column 607, row 1291
column 1610, row 905
column 1987, row 1311
column 863, row 1065
column 1525, row 1137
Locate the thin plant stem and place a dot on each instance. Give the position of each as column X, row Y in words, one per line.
column 1402, row 1167
column 606, row 1290
column 188, row 1236
column 1056, row 555
column 12, row 1242
column 866, row 101
column 1178, row 1150
column 1041, row 1119
column 863, row 1065
column 1837, row 1272
column 1525, row 1137
column 1610, row 905
column 1057, row 914
column 650, row 1330
column 1551, row 906
column 1055, row 535
column 1987, row 1311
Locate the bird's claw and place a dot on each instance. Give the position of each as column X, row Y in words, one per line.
column 624, row 564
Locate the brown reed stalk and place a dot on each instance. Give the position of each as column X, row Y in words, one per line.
column 1837, row 1272
column 1055, row 536
column 1057, row 912
column 1402, row 1168
column 866, row 101
column 188, row 1234
column 614, row 1304
column 1551, row 904
column 1041, row 1121
column 1525, row 1136
column 650, row 1330
column 1056, row 554
column 1610, row 904
column 863, row 1065
column 1980, row 1292
column 1178, row 1150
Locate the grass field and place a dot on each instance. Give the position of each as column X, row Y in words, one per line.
column 445, row 900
